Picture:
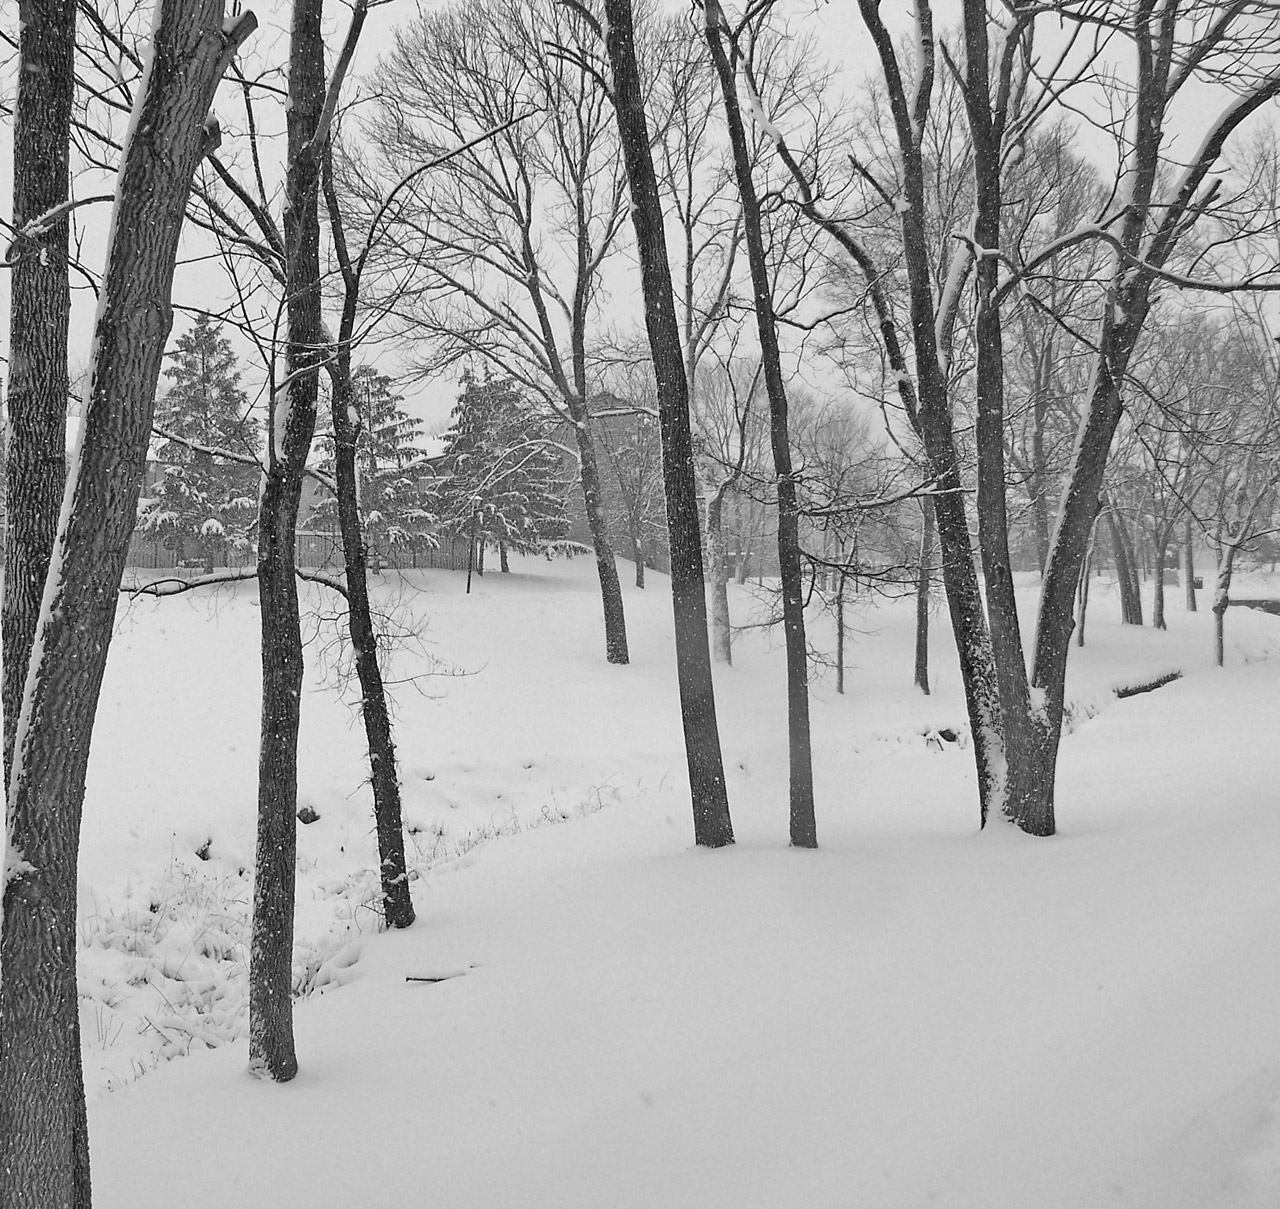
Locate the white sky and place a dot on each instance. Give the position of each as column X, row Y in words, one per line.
column 840, row 34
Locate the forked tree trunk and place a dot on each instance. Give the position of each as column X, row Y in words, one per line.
column 43, row 1141
column 1130, row 603
column 711, row 821
column 271, row 1046
column 803, row 826
column 924, row 573
column 39, row 308
column 718, row 564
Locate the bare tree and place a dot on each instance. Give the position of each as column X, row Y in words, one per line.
column 43, row 1148
column 1016, row 718
column 712, row 825
column 509, row 240
column 726, row 53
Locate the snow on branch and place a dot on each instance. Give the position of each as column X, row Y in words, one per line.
column 175, row 585
column 217, row 451
column 40, row 225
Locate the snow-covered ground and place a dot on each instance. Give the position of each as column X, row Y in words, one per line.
column 917, row 1014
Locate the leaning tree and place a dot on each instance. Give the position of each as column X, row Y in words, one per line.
column 43, row 1135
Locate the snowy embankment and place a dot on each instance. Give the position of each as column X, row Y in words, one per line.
column 916, row 1014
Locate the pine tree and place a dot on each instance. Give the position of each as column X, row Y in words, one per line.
column 201, row 500
column 392, row 503
column 501, row 467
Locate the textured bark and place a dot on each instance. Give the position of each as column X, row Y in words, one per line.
column 271, row 1046
column 711, row 821
column 43, row 1141
column 924, row 574
column 803, row 826
column 40, row 305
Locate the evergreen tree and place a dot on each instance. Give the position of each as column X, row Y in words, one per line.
column 500, row 466
column 389, row 459
column 202, row 500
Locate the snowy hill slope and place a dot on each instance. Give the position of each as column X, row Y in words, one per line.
column 916, row 1014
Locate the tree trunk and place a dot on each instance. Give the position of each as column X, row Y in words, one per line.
column 1082, row 596
column 271, row 1045
column 637, row 551
column 505, row 566
column 1130, row 602
column 803, row 826
column 1160, row 548
column 721, row 631
column 43, row 1140
column 397, row 905
column 1222, row 598
column 1021, row 725
column 711, row 821
column 615, row 621
column 840, row 584
column 1188, row 568
column 40, row 306
column 924, row 573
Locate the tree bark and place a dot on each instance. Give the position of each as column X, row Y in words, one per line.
column 272, row 1053
column 43, row 1140
column 924, row 573
column 803, row 826
column 712, row 824
column 615, row 621
column 40, row 307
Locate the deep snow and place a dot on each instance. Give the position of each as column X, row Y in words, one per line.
column 917, row 1014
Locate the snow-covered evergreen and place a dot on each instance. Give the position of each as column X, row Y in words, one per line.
column 205, row 494
column 502, row 465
